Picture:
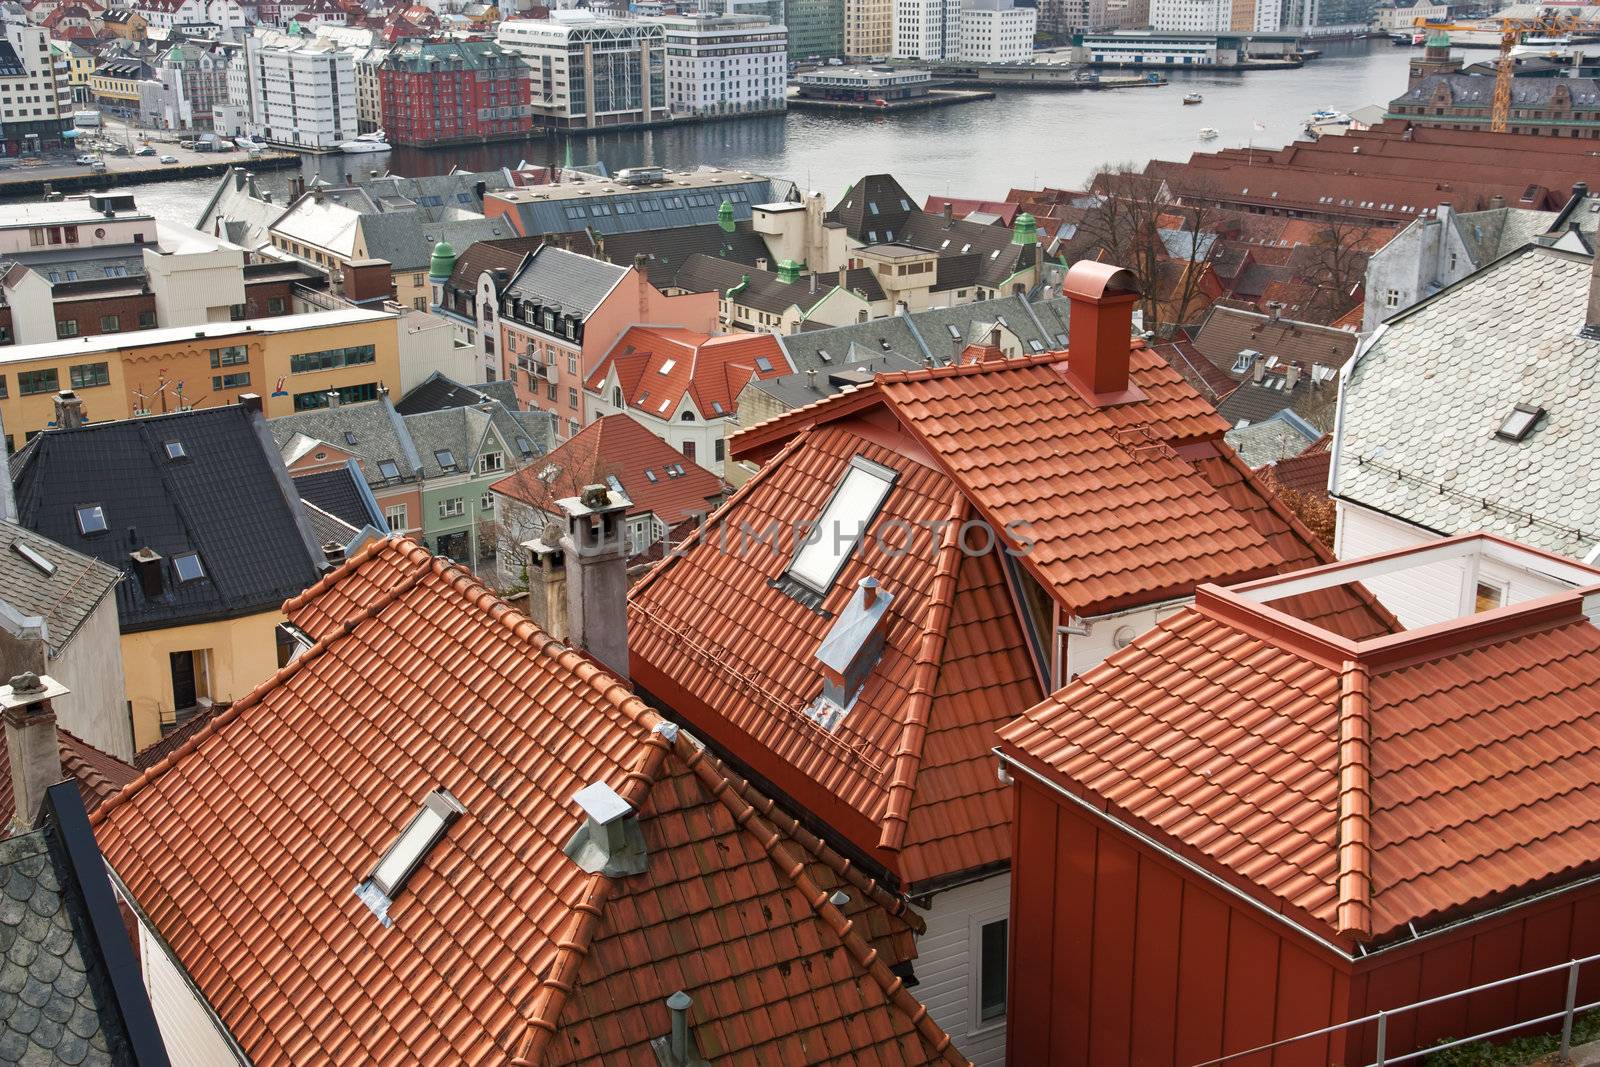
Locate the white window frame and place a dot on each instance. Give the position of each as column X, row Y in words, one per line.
column 1391, row 298
column 975, row 924
column 491, row 463
column 453, row 508
column 402, row 512
column 829, row 530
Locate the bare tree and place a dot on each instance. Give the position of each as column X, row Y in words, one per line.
column 528, row 503
column 1336, row 264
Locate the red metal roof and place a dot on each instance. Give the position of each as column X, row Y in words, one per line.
column 657, row 366
column 243, row 849
column 620, row 447
column 1360, row 785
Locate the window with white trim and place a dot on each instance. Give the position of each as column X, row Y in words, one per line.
column 844, row 520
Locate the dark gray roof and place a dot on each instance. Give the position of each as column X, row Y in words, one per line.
column 1468, row 90
column 407, row 239
column 648, row 207
column 229, row 499
column 874, row 209
column 69, row 988
column 797, row 390
column 65, row 598
column 666, row 250
column 378, row 431
column 328, row 529
column 555, row 276
column 342, row 493
column 437, row 392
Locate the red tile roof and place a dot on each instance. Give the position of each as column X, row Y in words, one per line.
column 1006, row 209
column 1305, row 473
column 1359, row 785
column 618, row 446
column 657, row 366
column 98, row 774
column 502, row 950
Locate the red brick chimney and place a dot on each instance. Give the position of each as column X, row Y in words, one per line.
column 1100, row 330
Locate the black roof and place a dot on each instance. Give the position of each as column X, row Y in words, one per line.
column 78, row 996
column 665, row 250
column 228, row 498
column 342, row 493
column 439, row 392
column 874, row 209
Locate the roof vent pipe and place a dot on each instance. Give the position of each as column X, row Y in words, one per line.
column 609, row 842
column 678, row 1048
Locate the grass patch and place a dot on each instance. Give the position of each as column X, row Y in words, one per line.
column 1519, row 1050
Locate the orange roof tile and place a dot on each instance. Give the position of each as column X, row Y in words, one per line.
column 618, row 446
column 1361, row 785
column 658, row 366
column 98, row 774
column 502, row 950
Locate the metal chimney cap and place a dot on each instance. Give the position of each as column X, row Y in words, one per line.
column 680, row 1001
column 602, row 803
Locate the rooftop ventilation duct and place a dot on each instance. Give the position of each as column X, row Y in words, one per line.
column 609, row 842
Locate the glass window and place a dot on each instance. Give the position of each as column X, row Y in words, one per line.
column 30, row 382
column 491, row 462
column 147, row 320
column 845, row 519
column 110, row 324
column 396, row 516
column 992, row 972
column 445, row 458
column 91, row 519
column 188, row 566
column 67, row 328
column 230, row 356
column 389, row 469
column 3, row 392
column 88, row 375
column 449, row 509
column 332, row 358
column 237, row 380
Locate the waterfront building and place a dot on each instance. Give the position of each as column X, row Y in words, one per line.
column 996, row 31
column 1549, row 107
column 35, row 91
column 863, row 84
column 191, row 78
column 302, row 90
column 450, row 92
column 115, row 83
column 724, row 65
column 589, row 72
column 80, row 67
column 1191, row 16
column 816, row 28
column 868, row 29
column 366, row 46
column 641, row 198
column 1161, row 48
column 927, row 29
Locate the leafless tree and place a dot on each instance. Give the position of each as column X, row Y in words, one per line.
column 1336, row 264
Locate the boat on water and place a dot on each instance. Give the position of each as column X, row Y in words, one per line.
column 1193, row 98
column 1207, row 133
column 367, row 142
column 249, row 144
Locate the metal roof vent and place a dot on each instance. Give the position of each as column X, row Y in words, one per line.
column 609, row 842
column 679, row 1049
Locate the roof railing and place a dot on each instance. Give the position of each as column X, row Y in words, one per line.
column 1381, row 1020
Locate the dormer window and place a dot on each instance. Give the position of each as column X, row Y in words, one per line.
column 445, row 458
column 400, row 862
column 491, row 462
column 1517, row 425
column 849, row 511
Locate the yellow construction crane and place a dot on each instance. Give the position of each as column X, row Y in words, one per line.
column 1549, row 22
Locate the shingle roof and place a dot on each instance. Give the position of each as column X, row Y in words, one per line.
column 65, row 598
column 500, row 945
column 553, row 275
column 228, row 499
column 1278, row 437
column 1227, row 332
column 763, row 290
column 1467, row 90
column 620, row 447
column 378, row 430
column 407, row 239
column 1477, row 749
column 877, row 204
column 1305, row 473
column 666, row 250
column 1421, row 407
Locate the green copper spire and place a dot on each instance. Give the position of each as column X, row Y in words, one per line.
column 1438, row 39
column 1025, row 231
column 443, row 263
column 725, row 216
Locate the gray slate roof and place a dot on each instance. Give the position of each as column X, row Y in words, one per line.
column 64, row 599
column 1467, row 90
column 1494, row 232
column 665, row 250
column 553, row 275
column 1421, row 406
column 1280, row 436
column 379, row 435
column 407, row 239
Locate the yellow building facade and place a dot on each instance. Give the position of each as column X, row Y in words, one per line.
column 293, row 362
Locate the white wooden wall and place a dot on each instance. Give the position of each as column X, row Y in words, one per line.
column 947, row 965
column 190, row 1034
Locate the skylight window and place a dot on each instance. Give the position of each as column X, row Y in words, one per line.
column 31, row 554
column 188, row 566
column 955, row 334
column 716, row 406
column 91, row 519
column 1519, row 423
column 666, row 403
column 666, row 368
column 650, row 475
column 1034, row 343
column 524, row 446
column 872, row 206
column 844, row 520
column 350, row 438
column 175, row 450
column 763, row 364
column 400, row 862
column 389, row 469
column 822, row 354
column 445, row 458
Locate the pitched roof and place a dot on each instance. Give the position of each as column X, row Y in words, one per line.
column 666, row 250
column 765, row 290
column 407, row 239
column 1307, row 472
column 342, row 493
column 555, row 276
column 1421, row 407
column 63, row 598
column 98, row 774
column 659, row 366
column 228, row 498
column 653, row 474
column 1278, row 437
column 876, row 203
column 1228, row 331
column 378, row 430
column 1469, row 747
column 499, row 946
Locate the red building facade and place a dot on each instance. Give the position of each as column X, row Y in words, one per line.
column 452, row 92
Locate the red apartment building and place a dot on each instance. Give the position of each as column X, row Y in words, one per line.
column 452, row 92
column 1249, row 825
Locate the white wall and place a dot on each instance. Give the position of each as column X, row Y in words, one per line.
column 947, row 965
column 1081, row 652
column 91, row 666
column 190, row 1034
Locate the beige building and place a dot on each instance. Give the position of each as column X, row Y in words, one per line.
column 868, row 28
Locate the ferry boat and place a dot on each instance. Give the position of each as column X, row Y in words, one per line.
column 1193, row 98
column 1207, row 133
column 367, row 142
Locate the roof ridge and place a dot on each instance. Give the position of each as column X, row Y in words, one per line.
column 1354, row 915
column 843, row 927
column 907, row 755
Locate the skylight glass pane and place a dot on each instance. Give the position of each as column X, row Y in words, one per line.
column 763, row 364
column 29, row 553
column 175, row 450
column 188, row 567
column 445, row 457
column 650, row 474
column 439, row 810
column 388, row 468
column 91, row 519
column 666, row 368
column 843, row 522
column 349, row 438
column 1517, row 424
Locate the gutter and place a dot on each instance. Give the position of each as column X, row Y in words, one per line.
column 1345, row 374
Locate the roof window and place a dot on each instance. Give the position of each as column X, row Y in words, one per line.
column 175, row 450
column 445, row 458
column 188, row 566
column 666, row 368
column 763, row 364
column 955, row 334
column 849, row 511
column 716, row 406
column 650, row 475
column 350, row 438
column 31, row 554
column 524, row 446
column 91, row 519
column 1517, row 425
column 389, row 469
column 400, row 862
column 822, row 354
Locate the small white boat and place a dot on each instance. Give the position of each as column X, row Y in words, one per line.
column 1193, row 98
column 367, row 142
column 249, row 144
column 1207, row 133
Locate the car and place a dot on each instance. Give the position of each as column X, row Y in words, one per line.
column 144, row 150
column 169, row 159
column 85, row 161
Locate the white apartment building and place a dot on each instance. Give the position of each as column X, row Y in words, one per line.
column 927, row 29
column 997, row 31
column 724, row 65
column 302, row 90
column 35, row 95
column 1191, row 16
column 368, row 49
column 586, row 71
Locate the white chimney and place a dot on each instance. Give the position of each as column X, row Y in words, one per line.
column 31, row 742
